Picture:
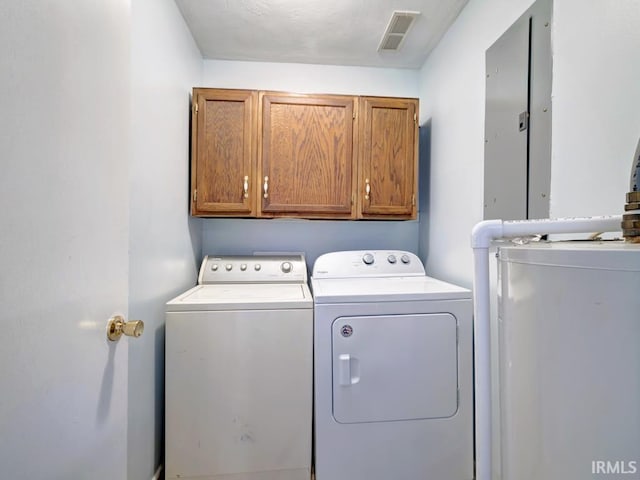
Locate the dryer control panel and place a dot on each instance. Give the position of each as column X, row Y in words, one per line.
column 368, row 263
column 253, row 269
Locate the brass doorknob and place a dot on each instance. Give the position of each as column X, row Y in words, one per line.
column 117, row 326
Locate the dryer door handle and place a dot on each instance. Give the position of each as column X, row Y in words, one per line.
column 345, row 364
column 344, row 369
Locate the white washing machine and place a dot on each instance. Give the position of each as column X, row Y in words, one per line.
column 238, row 372
column 393, row 370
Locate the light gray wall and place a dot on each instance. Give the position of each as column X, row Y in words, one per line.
column 424, row 186
column 595, row 127
column 306, row 78
column 314, row 237
column 452, row 97
column 165, row 242
column 596, row 105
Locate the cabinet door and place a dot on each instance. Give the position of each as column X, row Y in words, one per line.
column 306, row 155
column 388, row 157
column 223, row 152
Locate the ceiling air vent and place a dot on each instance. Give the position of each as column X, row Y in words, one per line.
column 397, row 29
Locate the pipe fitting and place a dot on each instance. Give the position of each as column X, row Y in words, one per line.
column 484, row 232
column 631, row 219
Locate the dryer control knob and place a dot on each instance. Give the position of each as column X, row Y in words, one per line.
column 391, row 259
column 286, row 267
column 228, row 266
column 257, row 267
column 243, row 267
column 367, row 258
column 405, row 258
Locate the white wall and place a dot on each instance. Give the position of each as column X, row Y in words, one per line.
column 596, row 105
column 164, row 239
column 304, row 78
column 596, row 119
column 223, row 236
column 452, row 95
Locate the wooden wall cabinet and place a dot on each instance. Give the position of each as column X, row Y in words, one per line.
column 223, row 152
column 305, row 155
column 274, row 154
column 388, row 158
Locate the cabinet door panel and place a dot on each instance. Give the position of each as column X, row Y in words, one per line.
column 388, row 157
column 307, row 155
column 223, row 153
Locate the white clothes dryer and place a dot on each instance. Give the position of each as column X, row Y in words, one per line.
column 238, row 372
column 393, row 370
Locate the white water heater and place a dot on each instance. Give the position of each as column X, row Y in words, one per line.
column 569, row 360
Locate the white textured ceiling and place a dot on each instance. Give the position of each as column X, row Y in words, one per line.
column 334, row 32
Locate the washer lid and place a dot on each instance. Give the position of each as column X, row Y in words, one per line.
column 242, row 297
column 386, row 289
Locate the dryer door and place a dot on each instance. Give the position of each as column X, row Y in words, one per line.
column 394, row 367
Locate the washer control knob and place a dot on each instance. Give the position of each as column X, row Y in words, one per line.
column 228, row 266
column 405, row 259
column 286, row 267
column 243, row 267
column 367, row 258
column 257, row 267
column 214, row 267
column 392, row 259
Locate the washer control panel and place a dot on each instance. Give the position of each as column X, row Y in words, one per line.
column 253, row 269
column 367, row 263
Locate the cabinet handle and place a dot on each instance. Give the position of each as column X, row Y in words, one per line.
column 246, row 186
column 367, row 189
column 265, row 187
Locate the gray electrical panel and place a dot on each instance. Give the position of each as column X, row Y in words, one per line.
column 517, row 158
